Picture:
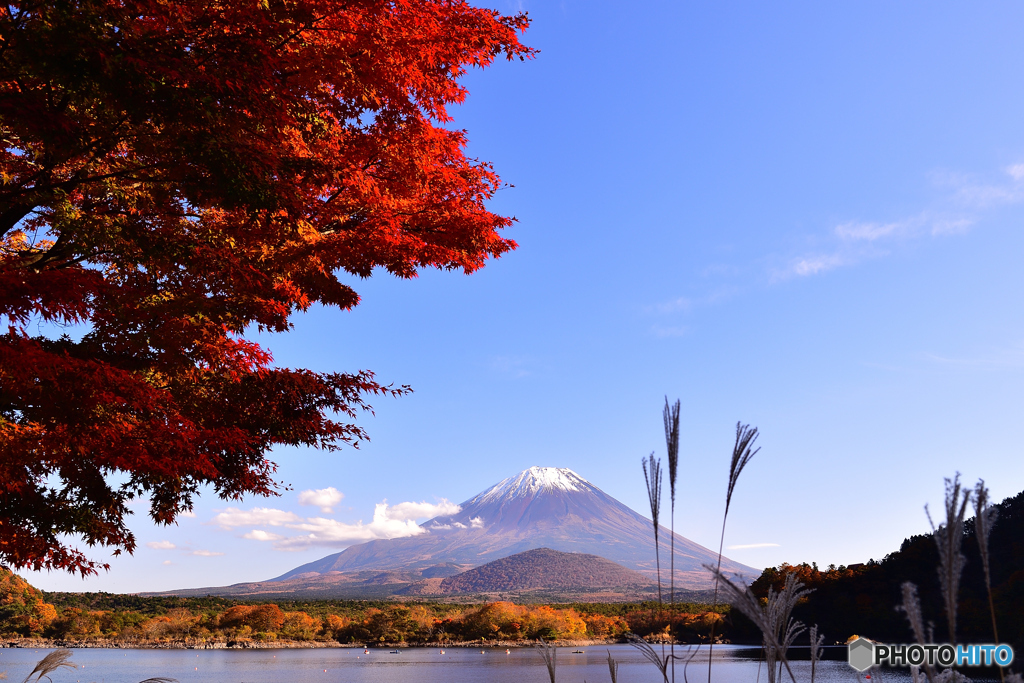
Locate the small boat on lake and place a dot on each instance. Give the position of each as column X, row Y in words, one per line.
column 577, row 652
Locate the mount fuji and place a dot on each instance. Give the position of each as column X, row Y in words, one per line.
column 542, row 507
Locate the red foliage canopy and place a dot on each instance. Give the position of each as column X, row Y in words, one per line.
column 173, row 173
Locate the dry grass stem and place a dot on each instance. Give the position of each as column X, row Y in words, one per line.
column 772, row 618
column 671, row 418
column 742, row 452
column 949, row 537
column 985, row 517
column 58, row 659
column 613, row 667
column 651, row 655
column 816, row 642
column 548, row 652
column 652, row 477
column 911, row 607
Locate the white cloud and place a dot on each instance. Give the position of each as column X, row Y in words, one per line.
column 161, row 545
column 812, row 265
column 205, row 553
column 261, row 535
column 233, row 517
column 325, row 499
column 679, row 304
column 963, row 205
column 752, row 545
column 873, row 231
column 389, row 521
column 187, row 513
column 1016, row 171
column 476, row 523
column 423, row 510
column 166, row 562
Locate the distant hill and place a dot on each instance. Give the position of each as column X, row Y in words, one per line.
column 543, row 568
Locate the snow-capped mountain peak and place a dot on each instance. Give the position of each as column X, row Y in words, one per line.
column 532, row 481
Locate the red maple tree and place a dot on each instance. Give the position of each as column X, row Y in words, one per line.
column 174, row 173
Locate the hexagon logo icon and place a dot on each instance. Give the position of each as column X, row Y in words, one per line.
column 861, row 653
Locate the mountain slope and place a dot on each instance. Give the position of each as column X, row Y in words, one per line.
column 542, row 507
column 543, row 568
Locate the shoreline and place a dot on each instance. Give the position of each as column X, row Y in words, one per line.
column 101, row 643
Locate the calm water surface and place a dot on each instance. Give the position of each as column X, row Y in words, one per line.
column 733, row 664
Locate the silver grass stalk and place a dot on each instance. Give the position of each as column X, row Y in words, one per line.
column 985, row 517
column 816, row 642
column 58, row 659
column 742, row 452
column 653, row 480
column 911, row 607
column 613, row 668
column 651, row 655
column 949, row 536
column 548, row 652
column 671, row 418
column 772, row 618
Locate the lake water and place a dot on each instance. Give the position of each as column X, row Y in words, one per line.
column 733, row 664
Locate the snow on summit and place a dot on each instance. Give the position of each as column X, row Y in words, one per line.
column 534, row 480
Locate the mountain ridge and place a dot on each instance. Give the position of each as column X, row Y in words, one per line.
column 539, row 507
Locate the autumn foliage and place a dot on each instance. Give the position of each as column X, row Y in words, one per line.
column 176, row 174
column 130, row 619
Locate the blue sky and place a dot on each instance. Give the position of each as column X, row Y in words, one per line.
column 806, row 217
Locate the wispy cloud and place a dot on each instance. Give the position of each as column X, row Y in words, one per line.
column 752, row 545
column 205, row 553
column 161, row 545
column 389, row 521
column 818, row 263
column 233, row 517
column 325, row 499
column 679, row 304
column 855, row 241
column 1008, row 358
column 987, row 195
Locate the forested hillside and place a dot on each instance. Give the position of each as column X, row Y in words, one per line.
column 862, row 599
column 543, row 568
